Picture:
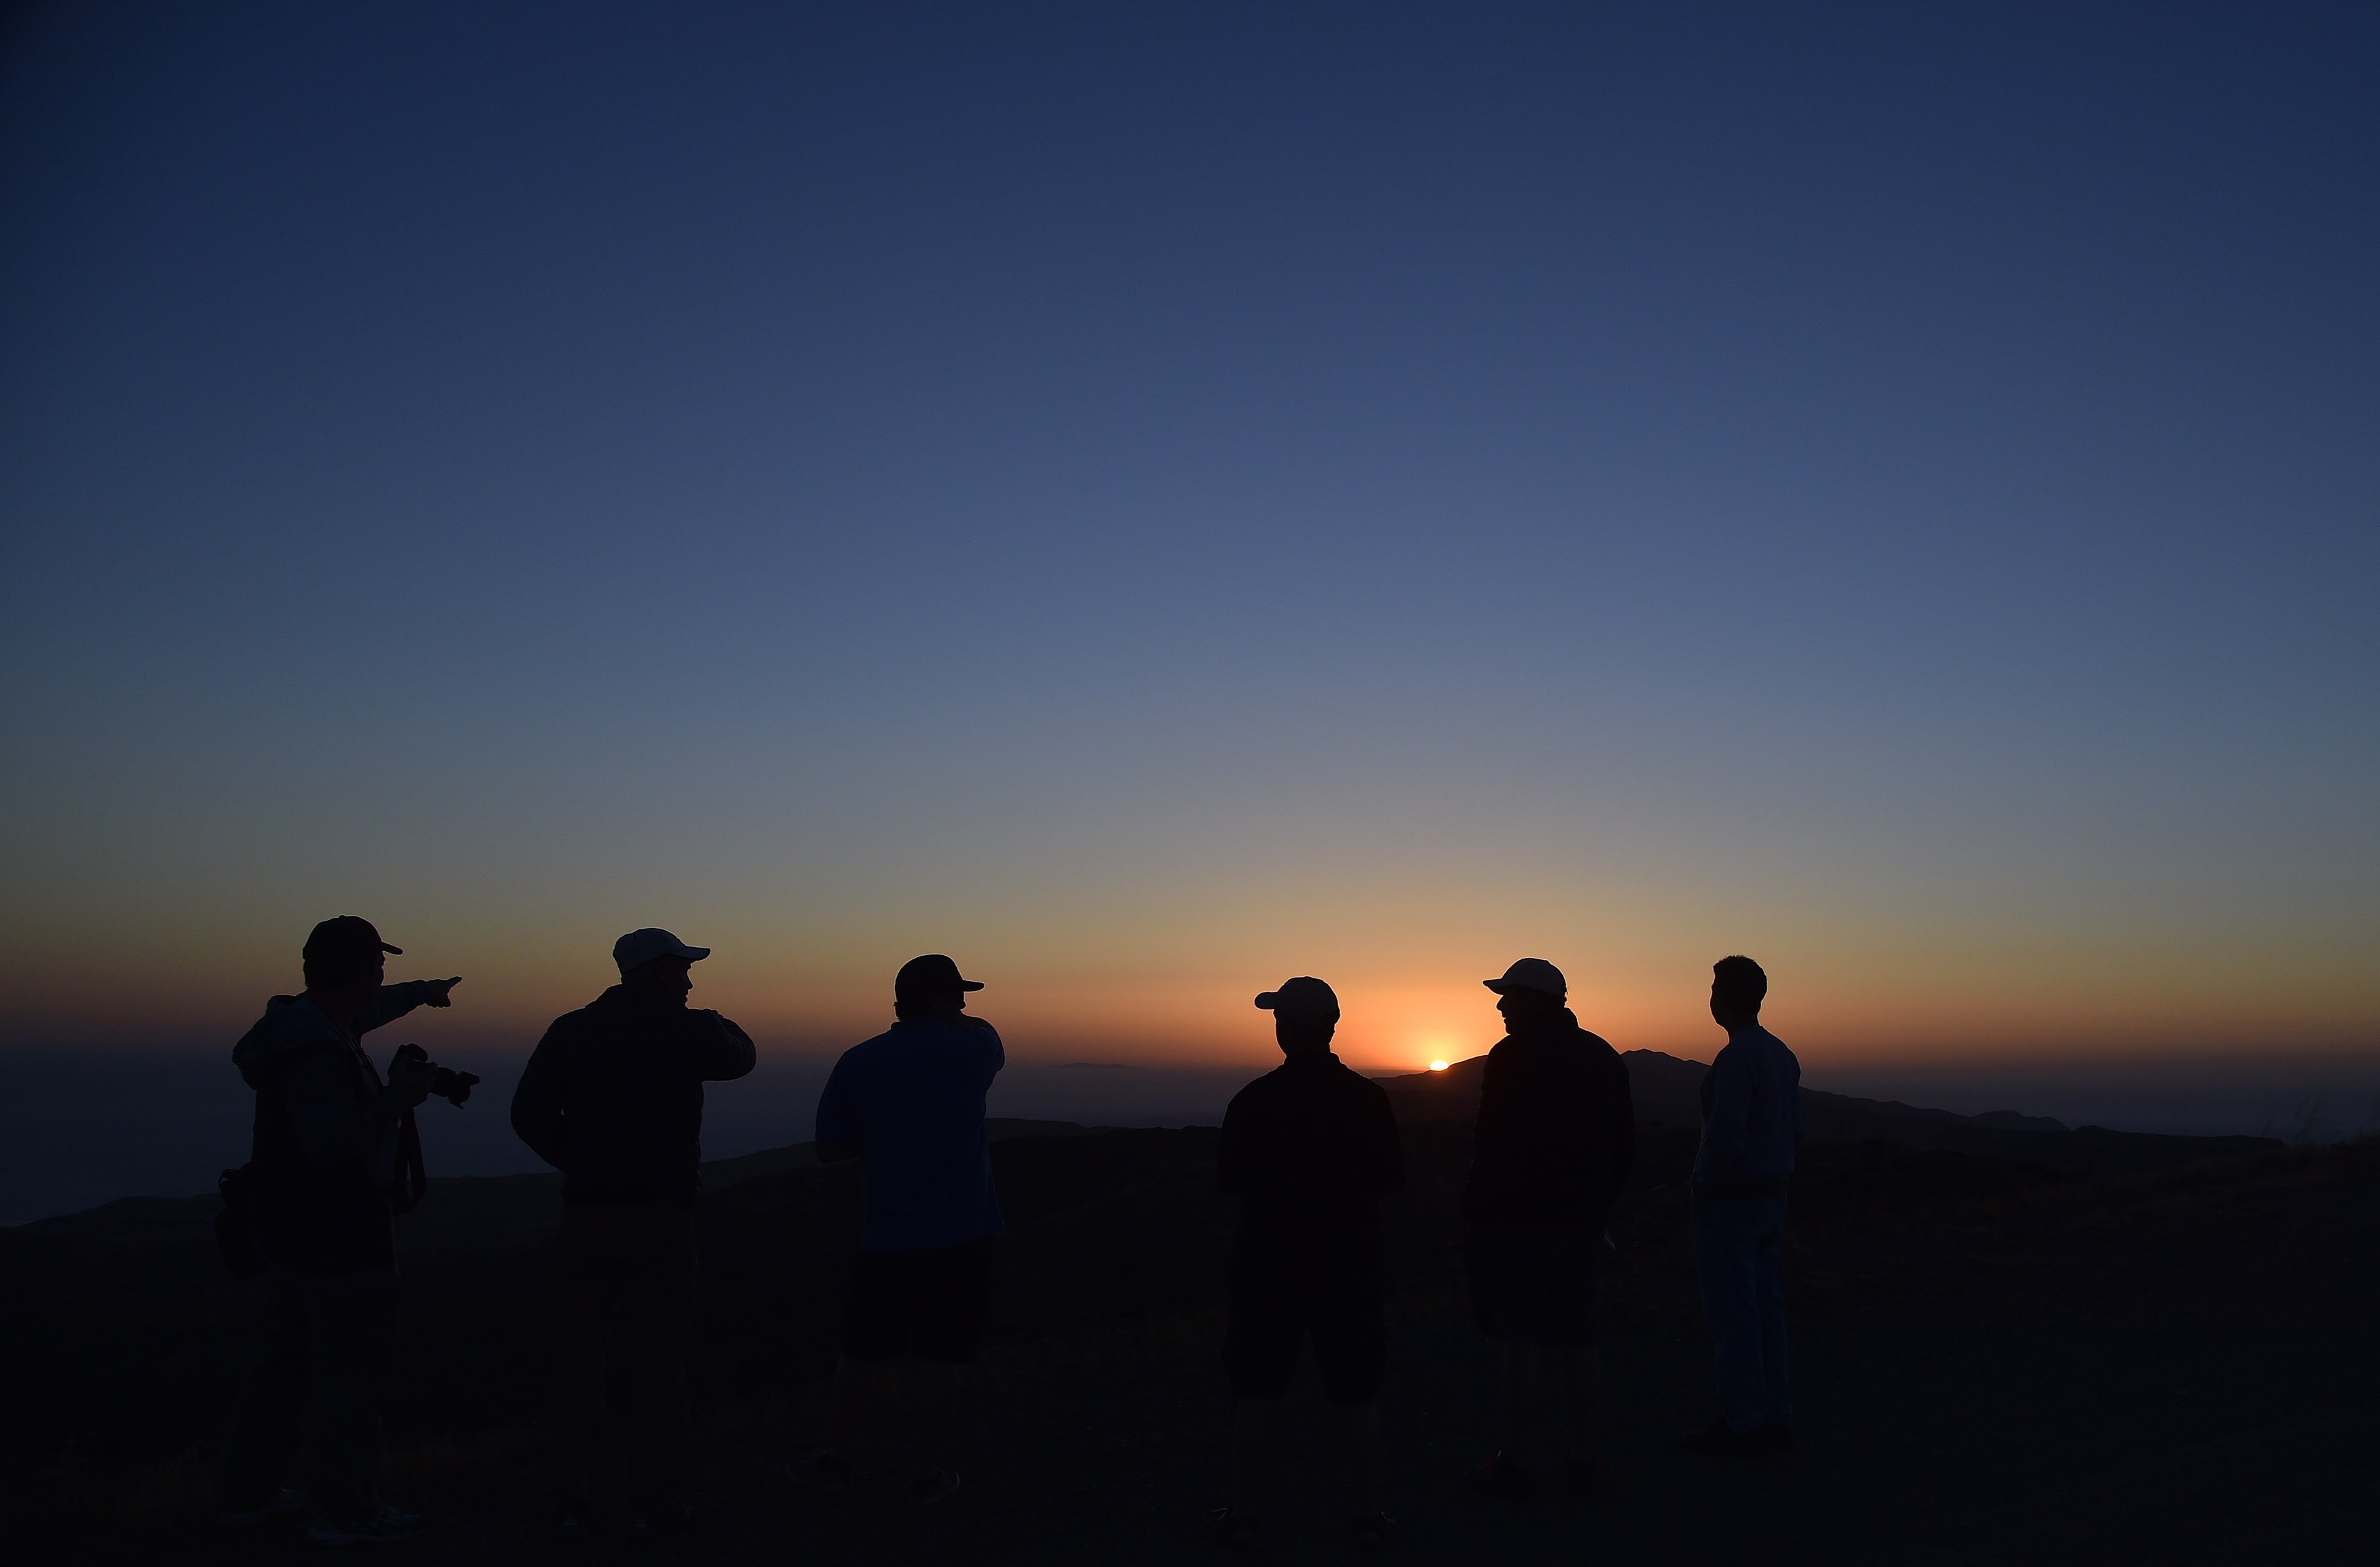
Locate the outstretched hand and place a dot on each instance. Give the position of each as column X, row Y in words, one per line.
column 438, row 988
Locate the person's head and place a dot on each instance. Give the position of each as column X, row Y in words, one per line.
column 652, row 960
column 1305, row 1014
column 344, row 954
column 931, row 987
column 1738, row 986
column 1530, row 992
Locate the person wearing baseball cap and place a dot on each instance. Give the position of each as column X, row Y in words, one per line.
column 1309, row 1148
column 1550, row 1151
column 613, row 1098
column 317, row 1194
column 908, row 1105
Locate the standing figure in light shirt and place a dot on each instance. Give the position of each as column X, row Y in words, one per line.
column 908, row 1105
column 1751, row 1129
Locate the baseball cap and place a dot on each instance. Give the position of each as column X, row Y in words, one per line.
column 932, row 974
column 1302, row 997
column 348, row 937
column 640, row 947
column 1531, row 974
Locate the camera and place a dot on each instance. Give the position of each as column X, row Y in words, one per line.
column 452, row 1087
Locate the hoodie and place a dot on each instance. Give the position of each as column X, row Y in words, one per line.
column 323, row 1152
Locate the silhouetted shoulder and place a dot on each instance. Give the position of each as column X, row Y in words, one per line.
column 566, row 1030
column 1357, row 1086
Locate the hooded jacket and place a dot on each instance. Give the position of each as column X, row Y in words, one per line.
column 323, row 1151
column 613, row 1096
column 1556, row 1133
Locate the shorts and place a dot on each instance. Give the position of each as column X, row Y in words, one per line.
column 929, row 1302
column 1268, row 1329
column 1534, row 1286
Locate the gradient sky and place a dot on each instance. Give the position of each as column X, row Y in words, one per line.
column 1153, row 500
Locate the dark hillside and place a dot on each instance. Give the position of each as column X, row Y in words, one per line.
column 1999, row 1358
column 1665, row 1089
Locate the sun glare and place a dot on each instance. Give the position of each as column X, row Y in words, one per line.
column 1438, row 1066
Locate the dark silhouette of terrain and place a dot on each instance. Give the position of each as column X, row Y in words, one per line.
column 2012, row 1344
column 1665, row 1091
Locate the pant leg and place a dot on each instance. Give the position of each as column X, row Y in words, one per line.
column 588, row 1287
column 352, row 1347
column 1776, row 1393
column 655, row 1320
column 1731, row 1306
column 271, row 1409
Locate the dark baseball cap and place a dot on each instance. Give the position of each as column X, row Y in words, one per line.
column 932, row 974
column 1302, row 997
column 1531, row 974
column 345, row 937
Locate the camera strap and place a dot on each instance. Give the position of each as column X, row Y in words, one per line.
column 411, row 1179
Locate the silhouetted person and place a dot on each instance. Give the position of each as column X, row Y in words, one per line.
column 908, row 1105
column 323, row 1163
column 612, row 1099
column 1309, row 1149
column 1556, row 1135
column 1751, row 1128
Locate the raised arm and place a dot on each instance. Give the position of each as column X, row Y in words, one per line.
column 723, row 1051
column 395, row 1000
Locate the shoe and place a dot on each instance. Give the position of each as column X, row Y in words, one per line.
column 384, row 1526
column 1578, row 1476
column 1499, row 1477
column 285, row 1502
column 821, row 1471
column 662, row 1518
column 1777, row 1439
column 1231, row 1527
column 939, row 1486
column 1717, row 1441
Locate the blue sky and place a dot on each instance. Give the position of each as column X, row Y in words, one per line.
column 1154, row 500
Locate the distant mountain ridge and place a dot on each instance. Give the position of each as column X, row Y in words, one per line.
column 1667, row 1093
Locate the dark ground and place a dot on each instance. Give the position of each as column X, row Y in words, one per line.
column 1997, row 1359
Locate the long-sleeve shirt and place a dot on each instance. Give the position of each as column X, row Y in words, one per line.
column 339, row 1107
column 613, row 1095
column 1556, row 1133
column 1751, row 1118
column 1309, row 1149
column 325, row 1150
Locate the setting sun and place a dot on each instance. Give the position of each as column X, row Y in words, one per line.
column 1438, row 1066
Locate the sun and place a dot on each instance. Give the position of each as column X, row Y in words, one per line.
column 1438, row 1066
